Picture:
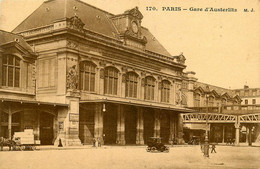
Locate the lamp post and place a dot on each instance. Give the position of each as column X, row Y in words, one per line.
column 206, row 144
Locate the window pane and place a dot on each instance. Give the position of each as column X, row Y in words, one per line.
column 10, row 76
column 135, row 90
column 115, row 87
column 106, row 85
column 87, row 81
column 17, row 77
column 126, row 89
column 5, row 60
column 17, row 62
column 10, row 60
column 110, row 86
column 92, row 82
column 4, row 75
column 81, row 80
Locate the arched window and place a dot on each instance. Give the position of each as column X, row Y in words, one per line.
column 111, row 80
column 149, row 86
column 197, row 100
column 11, row 71
column 165, row 91
column 87, row 76
column 131, row 85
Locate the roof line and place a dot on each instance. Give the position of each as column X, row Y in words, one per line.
column 95, row 7
column 11, row 33
column 27, row 17
column 214, row 86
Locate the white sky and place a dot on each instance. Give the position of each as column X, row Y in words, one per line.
column 223, row 48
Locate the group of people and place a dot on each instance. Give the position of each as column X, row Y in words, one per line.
column 96, row 142
column 230, row 141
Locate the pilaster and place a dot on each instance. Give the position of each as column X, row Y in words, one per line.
column 172, row 128
column 120, row 125
column 180, row 129
column 98, row 122
column 237, row 126
column 157, row 125
column 140, row 127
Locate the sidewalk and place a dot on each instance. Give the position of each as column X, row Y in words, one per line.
column 52, row 147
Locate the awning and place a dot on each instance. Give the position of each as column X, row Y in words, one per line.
column 141, row 104
column 32, row 102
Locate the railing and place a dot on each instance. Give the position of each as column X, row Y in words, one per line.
column 230, row 109
column 212, row 118
column 241, row 109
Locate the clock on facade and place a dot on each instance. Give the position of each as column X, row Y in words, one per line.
column 134, row 27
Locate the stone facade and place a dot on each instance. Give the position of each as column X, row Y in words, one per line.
column 93, row 75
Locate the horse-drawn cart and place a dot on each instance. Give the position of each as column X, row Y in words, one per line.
column 25, row 140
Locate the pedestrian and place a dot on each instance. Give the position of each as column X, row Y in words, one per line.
column 213, row 148
column 94, row 142
column 99, row 142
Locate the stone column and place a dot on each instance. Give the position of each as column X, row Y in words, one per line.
column 237, row 125
column 250, row 136
column 120, row 125
column 98, row 120
column 157, row 124
column 223, row 134
column 140, row 127
column 180, row 129
column 247, row 133
column 55, row 128
column 38, row 124
column 9, row 123
column 172, row 126
column 21, row 120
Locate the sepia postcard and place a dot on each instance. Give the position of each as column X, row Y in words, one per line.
column 129, row 84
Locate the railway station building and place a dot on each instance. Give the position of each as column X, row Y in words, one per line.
column 74, row 72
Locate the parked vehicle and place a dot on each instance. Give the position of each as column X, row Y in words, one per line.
column 155, row 144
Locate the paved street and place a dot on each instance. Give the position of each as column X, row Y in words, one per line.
column 130, row 157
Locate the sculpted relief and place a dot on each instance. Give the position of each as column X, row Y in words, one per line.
column 72, row 78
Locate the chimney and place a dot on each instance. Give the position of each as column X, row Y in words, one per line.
column 246, row 86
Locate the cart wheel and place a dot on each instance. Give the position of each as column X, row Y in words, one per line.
column 148, row 149
column 153, row 149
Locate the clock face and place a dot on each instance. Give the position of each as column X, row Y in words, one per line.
column 134, row 27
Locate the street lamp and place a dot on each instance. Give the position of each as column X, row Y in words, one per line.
column 206, row 144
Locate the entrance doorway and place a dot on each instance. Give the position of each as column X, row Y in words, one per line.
column 46, row 128
column 130, row 125
column 165, row 127
column 148, row 124
column 110, row 124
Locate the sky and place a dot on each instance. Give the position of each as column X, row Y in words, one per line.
column 223, row 48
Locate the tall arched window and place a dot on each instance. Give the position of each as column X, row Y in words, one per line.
column 165, row 91
column 87, row 76
column 131, row 85
column 149, row 86
column 197, row 100
column 111, row 80
column 11, row 71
